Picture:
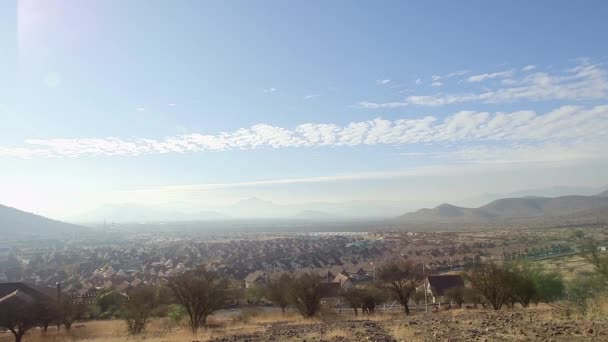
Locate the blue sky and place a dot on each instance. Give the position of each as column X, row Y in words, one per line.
column 193, row 105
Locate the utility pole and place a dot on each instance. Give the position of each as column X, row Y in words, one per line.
column 374, row 269
column 426, row 302
column 59, row 303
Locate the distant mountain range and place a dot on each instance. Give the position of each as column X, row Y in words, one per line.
column 258, row 208
column 583, row 209
column 17, row 222
column 552, row 191
column 527, row 209
column 250, row 208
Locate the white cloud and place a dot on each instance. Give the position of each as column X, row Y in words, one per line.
column 566, row 123
column 311, row 96
column 283, row 181
column 140, row 109
column 270, row 90
column 457, row 73
column 528, row 67
column 436, row 81
column 583, row 82
column 382, row 82
column 418, row 81
column 373, row 105
column 488, row 76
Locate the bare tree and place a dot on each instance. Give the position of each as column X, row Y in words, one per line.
column 598, row 260
column 200, row 292
column 400, row 278
column 492, row 281
column 456, row 295
column 47, row 312
column 138, row 309
column 305, row 294
column 277, row 290
column 471, row 295
column 521, row 280
column 19, row 315
column 70, row 312
column 371, row 296
column 354, row 298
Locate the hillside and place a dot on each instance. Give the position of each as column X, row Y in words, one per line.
column 537, row 323
column 512, row 209
column 15, row 221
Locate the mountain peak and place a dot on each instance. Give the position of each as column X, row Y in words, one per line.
column 512, row 209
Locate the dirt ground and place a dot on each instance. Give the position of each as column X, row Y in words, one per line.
column 542, row 323
column 356, row 330
column 455, row 325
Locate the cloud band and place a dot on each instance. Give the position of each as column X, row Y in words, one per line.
column 567, row 122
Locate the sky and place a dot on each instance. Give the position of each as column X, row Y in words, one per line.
column 196, row 105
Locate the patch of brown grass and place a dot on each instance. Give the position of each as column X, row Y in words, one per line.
column 159, row 330
column 115, row 331
column 378, row 316
column 401, row 332
column 570, row 267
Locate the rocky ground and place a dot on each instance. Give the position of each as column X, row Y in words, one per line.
column 339, row 331
column 455, row 325
column 517, row 325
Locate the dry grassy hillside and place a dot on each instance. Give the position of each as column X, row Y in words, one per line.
column 536, row 323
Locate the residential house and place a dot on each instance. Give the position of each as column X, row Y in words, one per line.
column 254, row 278
column 22, row 292
column 344, row 281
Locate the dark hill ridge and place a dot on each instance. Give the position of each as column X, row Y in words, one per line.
column 509, row 209
column 18, row 222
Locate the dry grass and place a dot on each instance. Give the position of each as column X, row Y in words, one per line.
column 379, row 316
column 595, row 309
column 570, row 267
column 598, row 308
column 159, row 330
column 272, row 317
column 395, row 324
column 402, row 332
column 115, row 331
